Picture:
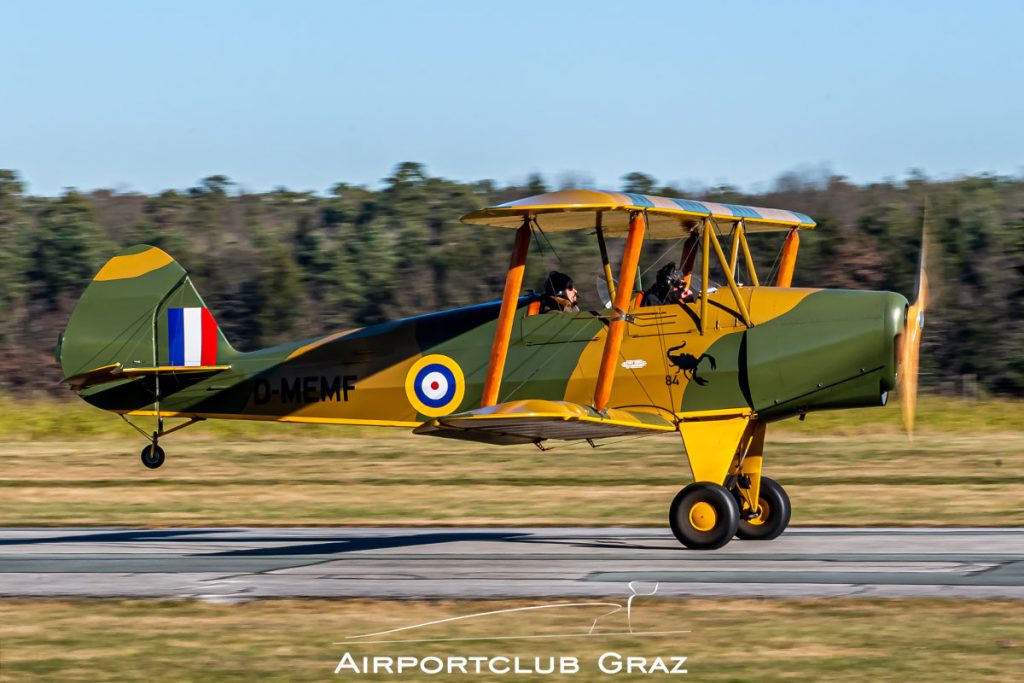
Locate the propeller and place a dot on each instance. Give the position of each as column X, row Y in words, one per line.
column 602, row 291
column 910, row 346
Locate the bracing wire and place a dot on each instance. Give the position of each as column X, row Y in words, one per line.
column 775, row 264
column 539, row 230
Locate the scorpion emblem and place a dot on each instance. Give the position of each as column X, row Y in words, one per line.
column 688, row 364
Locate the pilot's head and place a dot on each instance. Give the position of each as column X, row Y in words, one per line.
column 560, row 285
column 670, row 277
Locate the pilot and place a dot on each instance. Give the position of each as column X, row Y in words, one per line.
column 559, row 294
column 669, row 288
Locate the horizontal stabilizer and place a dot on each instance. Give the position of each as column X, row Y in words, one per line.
column 533, row 421
column 116, row 372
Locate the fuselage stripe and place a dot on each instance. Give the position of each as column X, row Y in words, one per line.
column 209, row 334
column 176, row 335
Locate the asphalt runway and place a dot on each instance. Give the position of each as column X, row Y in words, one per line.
column 228, row 564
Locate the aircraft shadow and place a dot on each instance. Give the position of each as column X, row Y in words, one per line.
column 355, row 544
column 326, row 544
column 125, row 536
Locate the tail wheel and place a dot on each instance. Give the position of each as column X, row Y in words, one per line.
column 152, row 456
column 704, row 516
column 771, row 517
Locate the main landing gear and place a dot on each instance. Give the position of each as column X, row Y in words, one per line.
column 771, row 517
column 729, row 497
column 705, row 516
column 152, row 455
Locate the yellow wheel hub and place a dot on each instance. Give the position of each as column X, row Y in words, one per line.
column 762, row 513
column 703, row 516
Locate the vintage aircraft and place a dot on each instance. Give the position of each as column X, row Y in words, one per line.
column 716, row 367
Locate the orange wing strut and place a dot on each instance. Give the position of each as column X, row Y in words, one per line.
column 788, row 263
column 509, row 300
column 623, row 294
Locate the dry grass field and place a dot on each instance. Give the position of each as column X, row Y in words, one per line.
column 67, row 464
column 728, row 640
column 71, row 464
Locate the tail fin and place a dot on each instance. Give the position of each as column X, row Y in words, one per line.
column 141, row 310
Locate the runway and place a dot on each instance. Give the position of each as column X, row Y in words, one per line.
column 228, row 564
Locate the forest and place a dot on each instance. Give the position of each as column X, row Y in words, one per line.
column 284, row 264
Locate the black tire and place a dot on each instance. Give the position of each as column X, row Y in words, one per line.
column 704, row 516
column 772, row 497
column 152, row 456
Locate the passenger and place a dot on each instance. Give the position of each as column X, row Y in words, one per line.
column 559, row 294
column 669, row 288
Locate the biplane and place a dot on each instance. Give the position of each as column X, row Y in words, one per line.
column 715, row 367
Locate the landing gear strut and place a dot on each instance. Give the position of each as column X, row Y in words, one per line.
column 729, row 496
column 152, row 455
column 771, row 517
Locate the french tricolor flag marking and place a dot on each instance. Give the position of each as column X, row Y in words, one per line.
column 193, row 336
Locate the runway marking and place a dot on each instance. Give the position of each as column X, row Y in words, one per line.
column 813, row 577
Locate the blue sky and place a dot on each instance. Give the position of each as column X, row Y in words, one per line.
column 142, row 96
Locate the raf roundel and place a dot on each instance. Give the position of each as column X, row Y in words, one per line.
column 435, row 385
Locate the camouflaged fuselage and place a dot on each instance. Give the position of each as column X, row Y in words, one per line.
column 808, row 350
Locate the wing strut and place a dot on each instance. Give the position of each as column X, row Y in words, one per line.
column 788, row 263
column 604, row 259
column 509, row 301
column 751, row 272
column 623, row 295
column 729, row 274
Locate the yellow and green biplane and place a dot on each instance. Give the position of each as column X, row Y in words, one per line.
column 716, row 366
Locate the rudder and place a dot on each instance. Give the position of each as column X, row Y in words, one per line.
column 141, row 310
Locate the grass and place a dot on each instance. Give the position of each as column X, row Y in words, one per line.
column 838, row 468
column 729, row 640
column 32, row 419
column 65, row 464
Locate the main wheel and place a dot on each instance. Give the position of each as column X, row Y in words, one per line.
column 704, row 516
column 773, row 514
column 152, row 456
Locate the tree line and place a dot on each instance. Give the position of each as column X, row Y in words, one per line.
column 282, row 265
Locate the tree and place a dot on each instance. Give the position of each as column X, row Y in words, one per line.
column 277, row 294
column 638, row 182
column 12, row 254
column 285, row 264
column 535, row 184
column 68, row 249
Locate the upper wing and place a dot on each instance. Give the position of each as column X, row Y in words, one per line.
column 667, row 217
column 532, row 421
